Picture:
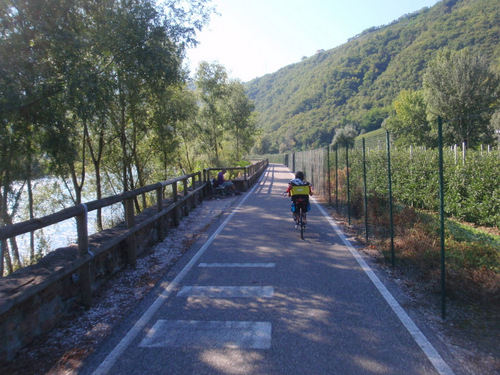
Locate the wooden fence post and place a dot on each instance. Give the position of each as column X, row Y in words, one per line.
column 246, row 183
column 130, row 219
column 159, row 205
column 185, row 206
column 176, row 209
column 195, row 195
column 83, row 249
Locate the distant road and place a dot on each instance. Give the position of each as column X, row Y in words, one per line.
column 256, row 299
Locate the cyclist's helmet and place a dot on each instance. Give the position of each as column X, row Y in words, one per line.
column 299, row 175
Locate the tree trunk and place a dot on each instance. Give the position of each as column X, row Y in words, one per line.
column 31, row 216
column 6, row 256
column 96, row 161
column 15, row 253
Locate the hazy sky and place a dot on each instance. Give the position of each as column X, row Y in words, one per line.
column 254, row 37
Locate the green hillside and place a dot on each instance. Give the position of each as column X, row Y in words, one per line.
column 300, row 105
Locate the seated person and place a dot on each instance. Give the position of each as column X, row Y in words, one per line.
column 221, row 181
column 299, row 181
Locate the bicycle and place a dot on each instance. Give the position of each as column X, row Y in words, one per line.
column 300, row 199
column 301, row 209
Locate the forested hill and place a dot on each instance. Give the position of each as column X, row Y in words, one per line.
column 302, row 104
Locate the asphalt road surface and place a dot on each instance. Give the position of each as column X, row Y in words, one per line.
column 253, row 298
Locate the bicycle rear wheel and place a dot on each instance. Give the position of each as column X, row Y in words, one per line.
column 301, row 222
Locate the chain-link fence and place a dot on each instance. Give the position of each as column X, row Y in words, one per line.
column 315, row 165
column 363, row 179
column 343, row 175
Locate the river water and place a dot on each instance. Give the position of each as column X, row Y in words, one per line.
column 50, row 196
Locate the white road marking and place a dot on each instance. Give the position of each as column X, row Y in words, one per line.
column 439, row 364
column 226, row 291
column 208, row 334
column 237, row 265
column 168, row 288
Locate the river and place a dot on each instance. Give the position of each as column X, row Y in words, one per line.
column 50, row 196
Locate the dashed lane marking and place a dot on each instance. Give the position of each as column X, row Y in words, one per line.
column 226, row 291
column 237, row 265
column 168, row 288
column 208, row 334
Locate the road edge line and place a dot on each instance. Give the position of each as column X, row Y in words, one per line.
column 112, row 357
column 432, row 354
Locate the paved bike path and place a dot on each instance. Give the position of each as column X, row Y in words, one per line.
column 256, row 299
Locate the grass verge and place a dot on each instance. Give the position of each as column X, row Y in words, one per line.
column 472, row 254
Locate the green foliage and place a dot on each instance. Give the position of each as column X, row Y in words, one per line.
column 461, row 88
column 91, row 82
column 301, row 105
column 470, row 248
column 410, row 125
column 472, row 189
column 225, row 120
column 345, row 136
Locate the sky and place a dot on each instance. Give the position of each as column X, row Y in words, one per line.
column 251, row 38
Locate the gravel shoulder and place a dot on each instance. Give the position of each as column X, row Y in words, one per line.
column 468, row 337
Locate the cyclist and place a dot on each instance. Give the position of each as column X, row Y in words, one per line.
column 299, row 181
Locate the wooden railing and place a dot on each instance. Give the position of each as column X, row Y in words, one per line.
column 246, row 178
column 80, row 212
column 67, row 277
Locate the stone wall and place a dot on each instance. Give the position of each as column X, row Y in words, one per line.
column 33, row 299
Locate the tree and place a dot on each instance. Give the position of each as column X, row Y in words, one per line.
column 241, row 122
column 73, row 69
column 345, row 136
column 212, row 89
column 176, row 140
column 461, row 88
column 410, row 125
column 372, row 119
column 495, row 125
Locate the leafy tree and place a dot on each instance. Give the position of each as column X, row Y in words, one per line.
column 373, row 119
column 410, row 125
column 176, row 136
column 241, row 122
column 29, row 84
column 262, row 145
column 345, row 136
column 460, row 87
column 211, row 81
column 81, row 76
column 226, row 119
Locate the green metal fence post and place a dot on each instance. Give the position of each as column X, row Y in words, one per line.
column 329, row 176
column 441, row 218
column 389, row 177
column 366, row 196
column 336, row 178
column 348, row 190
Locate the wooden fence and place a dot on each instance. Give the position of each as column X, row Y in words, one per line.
column 34, row 298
